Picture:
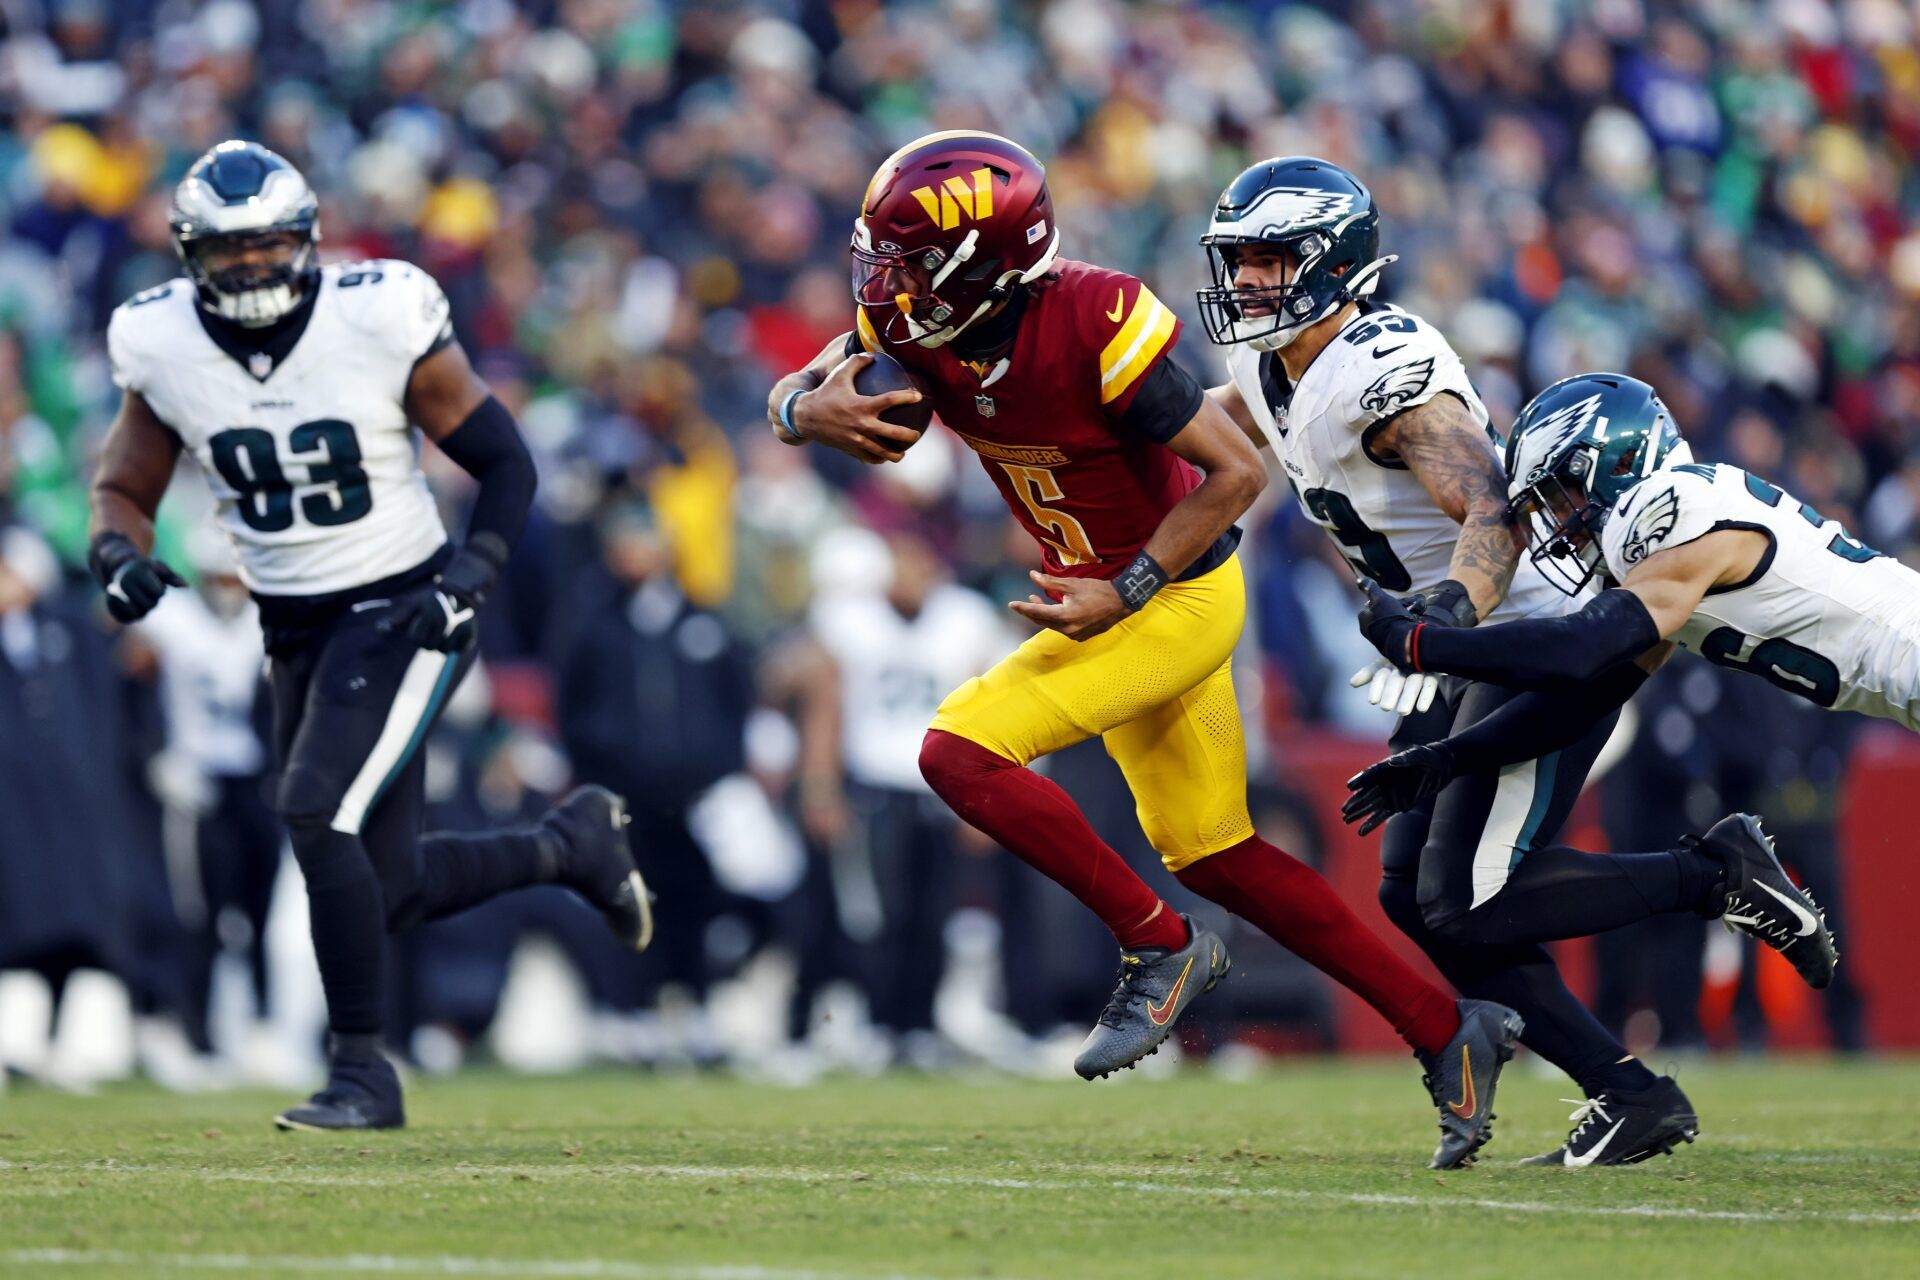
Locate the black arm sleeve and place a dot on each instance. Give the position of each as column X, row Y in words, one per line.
column 488, row 447
column 1165, row 403
column 1540, row 723
column 1541, row 653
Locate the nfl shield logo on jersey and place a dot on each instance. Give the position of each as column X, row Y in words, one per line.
column 985, row 405
column 259, row 364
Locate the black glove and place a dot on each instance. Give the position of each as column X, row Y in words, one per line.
column 1396, row 784
column 133, row 582
column 442, row 617
column 1448, row 605
column 1387, row 623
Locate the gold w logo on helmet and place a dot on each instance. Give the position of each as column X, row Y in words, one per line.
column 954, row 199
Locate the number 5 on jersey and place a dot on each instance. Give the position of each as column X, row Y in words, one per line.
column 1037, row 485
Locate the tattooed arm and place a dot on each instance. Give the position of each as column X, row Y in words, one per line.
column 1454, row 459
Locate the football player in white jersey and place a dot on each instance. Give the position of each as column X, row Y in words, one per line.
column 1708, row 558
column 297, row 389
column 1388, row 447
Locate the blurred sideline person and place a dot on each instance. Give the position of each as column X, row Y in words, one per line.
column 297, row 389
column 221, row 837
column 651, row 696
column 889, row 655
column 1059, row 376
column 72, row 861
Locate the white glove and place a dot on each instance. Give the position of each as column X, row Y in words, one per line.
column 1393, row 690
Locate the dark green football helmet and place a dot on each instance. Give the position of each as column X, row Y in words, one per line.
column 1315, row 211
column 1574, row 452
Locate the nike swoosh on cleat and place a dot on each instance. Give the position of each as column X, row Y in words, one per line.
column 1119, row 305
column 1807, row 923
column 1470, row 1102
column 1164, row 1010
column 1593, row 1152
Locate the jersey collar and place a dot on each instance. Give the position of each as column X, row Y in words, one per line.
column 260, row 351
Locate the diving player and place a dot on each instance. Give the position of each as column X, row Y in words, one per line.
column 1057, row 374
column 297, row 388
column 1387, row 447
column 1707, row 558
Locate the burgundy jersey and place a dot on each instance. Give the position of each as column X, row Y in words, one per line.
column 1047, row 419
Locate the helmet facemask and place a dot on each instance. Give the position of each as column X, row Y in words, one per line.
column 252, row 278
column 1562, row 522
column 1271, row 316
column 925, row 295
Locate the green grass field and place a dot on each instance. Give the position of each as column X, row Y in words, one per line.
column 1303, row 1171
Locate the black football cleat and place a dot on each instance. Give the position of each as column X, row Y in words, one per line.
column 590, row 824
column 1617, row 1127
column 361, row 1093
column 1156, row 986
column 1463, row 1076
column 1764, row 904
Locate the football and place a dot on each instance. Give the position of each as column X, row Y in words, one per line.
column 887, row 374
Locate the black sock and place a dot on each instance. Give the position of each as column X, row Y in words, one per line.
column 1524, row 978
column 463, row 870
column 1630, row 1076
column 346, row 913
column 1559, row 892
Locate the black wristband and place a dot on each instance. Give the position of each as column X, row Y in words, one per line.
column 476, row 566
column 107, row 553
column 1450, row 604
column 1140, row 581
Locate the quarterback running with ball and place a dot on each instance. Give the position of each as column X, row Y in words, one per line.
column 1058, row 375
column 297, row 389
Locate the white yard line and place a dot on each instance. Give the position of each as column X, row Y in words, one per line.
column 439, row 1265
column 1141, row 1182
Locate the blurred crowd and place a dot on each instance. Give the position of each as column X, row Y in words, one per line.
column 640, row 212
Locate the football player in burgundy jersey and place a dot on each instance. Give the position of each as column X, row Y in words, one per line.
column 1059, row 376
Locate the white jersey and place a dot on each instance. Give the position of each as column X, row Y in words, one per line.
column 1821, row 616
column 1381, row 363
column 209, row 677
column 312, row 461
column 895, row 671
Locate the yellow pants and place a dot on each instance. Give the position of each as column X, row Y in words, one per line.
column 1157, row 688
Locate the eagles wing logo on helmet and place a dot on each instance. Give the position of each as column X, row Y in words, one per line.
column 1555, row 432
column 1397, row 387
column 1651, row 527
column 1282, row 209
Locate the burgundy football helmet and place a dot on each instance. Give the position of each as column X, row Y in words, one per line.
column 950, row 224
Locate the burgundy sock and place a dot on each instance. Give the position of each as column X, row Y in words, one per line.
column 1034, row 818
column 1288, row 900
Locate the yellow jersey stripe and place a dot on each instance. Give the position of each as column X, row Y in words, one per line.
column 864, row 327
column 1138, row 358
column 1120, row 346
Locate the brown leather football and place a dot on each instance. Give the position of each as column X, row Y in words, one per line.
column 887, row 374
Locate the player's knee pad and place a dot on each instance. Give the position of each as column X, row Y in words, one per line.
column 306, row 797
column 1475, row 928
column 1400, row 898
column 948, row 762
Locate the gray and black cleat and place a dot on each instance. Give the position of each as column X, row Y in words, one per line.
column 589, row 830
column 1156, row 986
column 361, row 1093
column 1463, row 1076
column 1617, row 1127
column 1764, row 904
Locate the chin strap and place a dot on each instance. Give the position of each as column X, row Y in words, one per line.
column 1367, row 278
